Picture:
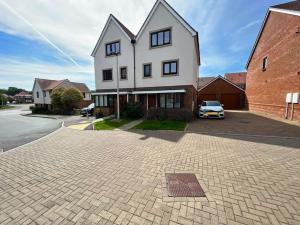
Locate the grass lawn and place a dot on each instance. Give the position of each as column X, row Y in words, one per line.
column 161, row 125
column 6, row 107
column 110, row 124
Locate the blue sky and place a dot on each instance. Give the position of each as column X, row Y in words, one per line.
column 39, row 39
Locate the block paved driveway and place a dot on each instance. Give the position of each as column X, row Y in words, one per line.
column 118, row 177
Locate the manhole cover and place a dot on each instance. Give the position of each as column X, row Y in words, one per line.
column 183, row 185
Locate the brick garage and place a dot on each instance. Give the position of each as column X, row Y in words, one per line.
column 279, row 41
column 221, row 89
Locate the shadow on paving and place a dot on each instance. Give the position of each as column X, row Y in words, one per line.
column 239, row 125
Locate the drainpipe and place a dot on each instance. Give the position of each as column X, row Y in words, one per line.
column 133, row 45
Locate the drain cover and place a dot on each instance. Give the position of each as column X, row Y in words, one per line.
column 183, row 185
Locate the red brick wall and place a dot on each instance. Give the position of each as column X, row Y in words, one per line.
column 266, row 90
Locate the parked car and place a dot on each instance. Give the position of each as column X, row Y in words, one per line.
column 88, row 110
column 211, row 109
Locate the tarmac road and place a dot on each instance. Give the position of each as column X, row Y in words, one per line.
column 16, row 130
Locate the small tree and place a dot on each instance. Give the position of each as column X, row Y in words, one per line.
column 70, row 98
column 56, row 99
column 3, row 100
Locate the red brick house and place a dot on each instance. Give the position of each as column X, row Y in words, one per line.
column 238, row 78
column 273, row 68
column 222, row 90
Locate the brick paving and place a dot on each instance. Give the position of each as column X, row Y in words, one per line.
column 118, row 177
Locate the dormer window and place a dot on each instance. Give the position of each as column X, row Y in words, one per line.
column 160, row 38
column 265, row 63
column 112, row 48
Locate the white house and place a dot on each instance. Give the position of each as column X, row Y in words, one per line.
column 42, row 89
column 158, row 67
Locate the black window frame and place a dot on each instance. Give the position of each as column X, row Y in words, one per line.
column 122, row 68
column 265, row 63
column 144, row 70
column 170, row 66
column 157, row 34
column 103, row 74
column 181, row 100
column 37, row 94
column 110, row 101
column 111, row 44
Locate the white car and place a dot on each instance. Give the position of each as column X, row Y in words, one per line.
column 211, row 109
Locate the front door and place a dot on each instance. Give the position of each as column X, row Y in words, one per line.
column 151, row 101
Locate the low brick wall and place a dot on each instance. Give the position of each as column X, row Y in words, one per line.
column 276, row 110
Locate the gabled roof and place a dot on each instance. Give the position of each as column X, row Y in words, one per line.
column 291, row 8
column 203, row 81
column 46, row 84
column 193, row 32
column 80, row 86
column 121, row 26
column 22, row 94
column 213, row 79
column 128, row 32
column 236, row 78
column 172, row 11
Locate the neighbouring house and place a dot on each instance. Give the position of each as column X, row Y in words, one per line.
column 273, row 68
column 238, row 78
column 158, row 67
column 221, row 89
column 42, row 89
column 23, row 97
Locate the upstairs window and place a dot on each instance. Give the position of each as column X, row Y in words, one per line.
column 44, row 93
column 161, row 38
column 123, row 73
column 107, row 75
column 37, row 94
column 170, row 68
column 265, row 63
column 147, row 70
column 112, row 48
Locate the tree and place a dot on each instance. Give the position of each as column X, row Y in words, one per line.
column 3, row 91
column 3, row 99
column 13, row 91
column 56, row 99
column 70, row 98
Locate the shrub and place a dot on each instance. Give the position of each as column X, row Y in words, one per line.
column 133, row 111
column 39, row 110
column 98, row 113
column 70, row 98
column 56, row 100
column 172, row 114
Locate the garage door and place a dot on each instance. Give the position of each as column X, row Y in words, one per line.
column 230, row 101
column 206, row 97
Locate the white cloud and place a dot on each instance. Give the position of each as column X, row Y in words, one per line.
column 73, row 25
column 20, row 72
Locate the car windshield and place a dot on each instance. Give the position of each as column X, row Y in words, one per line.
column 91, row 106
column 211, row 103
